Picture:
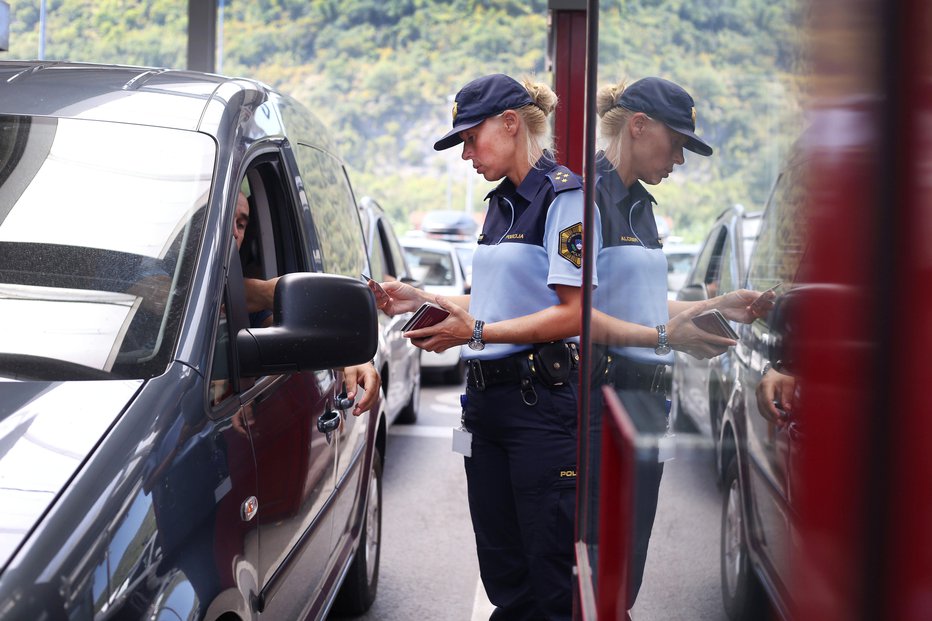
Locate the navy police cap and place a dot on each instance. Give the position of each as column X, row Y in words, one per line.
column 480, row 99
column 667, row 102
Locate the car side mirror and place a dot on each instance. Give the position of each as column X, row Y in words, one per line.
column 414, row 282
column 320, row 321
column 691, row 293
column 790, row 343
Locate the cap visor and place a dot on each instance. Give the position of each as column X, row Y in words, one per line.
column 452, row 138
column 695, row 143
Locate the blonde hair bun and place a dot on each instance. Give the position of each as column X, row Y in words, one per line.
column 542, row 95
column 607, row 96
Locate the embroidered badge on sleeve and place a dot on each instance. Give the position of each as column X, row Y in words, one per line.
column 571, row 244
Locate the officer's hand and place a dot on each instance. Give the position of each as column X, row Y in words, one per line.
column 685, row 336
column 456, row 329
column 399, row 297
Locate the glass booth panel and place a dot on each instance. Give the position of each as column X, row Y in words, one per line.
column 673, row 157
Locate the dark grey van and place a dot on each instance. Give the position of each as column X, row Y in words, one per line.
column 167, row 451
column 757, row 456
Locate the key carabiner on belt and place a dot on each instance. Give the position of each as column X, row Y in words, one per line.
column 658, row 380
column 528, row 394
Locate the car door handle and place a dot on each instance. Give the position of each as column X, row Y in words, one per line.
column 328, row 421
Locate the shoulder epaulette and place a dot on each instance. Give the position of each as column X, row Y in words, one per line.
column 562, row 179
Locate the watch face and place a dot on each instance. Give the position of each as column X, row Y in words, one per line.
column 662, row 350
column 476, row 345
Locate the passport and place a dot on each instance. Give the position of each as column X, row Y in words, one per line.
column 713, row 321
column 427, row 315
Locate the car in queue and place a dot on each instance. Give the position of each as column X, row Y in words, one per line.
column 398, row 360
column 680, row 259
column 700, row 388
column 165, row 457
column 449, row 225
column 436, row 264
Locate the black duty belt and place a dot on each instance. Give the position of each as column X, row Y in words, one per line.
column 626, row 374
column 517, row 368
column 483, row 373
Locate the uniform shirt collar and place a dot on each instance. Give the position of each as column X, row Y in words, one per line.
column 610, row 183
column 531, row 183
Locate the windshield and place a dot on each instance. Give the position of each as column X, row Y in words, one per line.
column 99, row 225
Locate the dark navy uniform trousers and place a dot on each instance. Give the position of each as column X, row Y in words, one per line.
column 522, row 494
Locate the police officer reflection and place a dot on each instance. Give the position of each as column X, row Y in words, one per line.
column 645, row 127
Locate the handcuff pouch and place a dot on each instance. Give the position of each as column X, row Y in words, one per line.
column 554, row 363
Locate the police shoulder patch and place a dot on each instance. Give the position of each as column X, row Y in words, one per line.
column 562, row 179
column 571, row 244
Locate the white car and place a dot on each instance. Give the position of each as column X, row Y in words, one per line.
column 680, row 259
column 436, row 264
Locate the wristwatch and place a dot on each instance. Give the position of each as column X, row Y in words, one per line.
column 662, row 348
column 476, row 341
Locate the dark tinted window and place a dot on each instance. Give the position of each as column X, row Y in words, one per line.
column 779, row 248
column 377, row 258
column 708, row 265
column 728, row 265
column 334, row 210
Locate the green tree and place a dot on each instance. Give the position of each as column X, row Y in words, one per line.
column 381, row 74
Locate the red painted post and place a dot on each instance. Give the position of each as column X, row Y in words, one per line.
column 616, row 508
column 568, row 55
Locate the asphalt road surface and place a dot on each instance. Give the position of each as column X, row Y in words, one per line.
column 428, row 565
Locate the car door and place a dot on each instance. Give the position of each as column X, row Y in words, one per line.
column 335, row 217
column 771, row 449
column 295, row 459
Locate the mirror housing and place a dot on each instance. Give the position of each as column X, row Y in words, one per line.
column 789, row 345
column 692, row 293
column 321, row 321
column 414, row 282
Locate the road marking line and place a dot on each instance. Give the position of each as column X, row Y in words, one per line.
column 422, row 431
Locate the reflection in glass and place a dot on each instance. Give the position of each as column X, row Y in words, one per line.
column 742, row 66
column 99, row 224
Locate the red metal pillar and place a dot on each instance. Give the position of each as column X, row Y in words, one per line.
column 568, row 57
column 616, row 509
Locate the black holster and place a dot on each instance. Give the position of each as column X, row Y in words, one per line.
column 554, row 363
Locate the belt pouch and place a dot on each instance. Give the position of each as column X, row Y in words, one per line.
column 553, row 363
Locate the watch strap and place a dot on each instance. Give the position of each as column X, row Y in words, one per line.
column 663, row 347
column 477, row 331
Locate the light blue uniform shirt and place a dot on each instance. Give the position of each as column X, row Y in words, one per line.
column 531, row 241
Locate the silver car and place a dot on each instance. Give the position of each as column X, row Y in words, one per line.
column 701, row 387
column 436, row 264
column 398, row 360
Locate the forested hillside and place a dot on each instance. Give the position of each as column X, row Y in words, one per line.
column 383, row 73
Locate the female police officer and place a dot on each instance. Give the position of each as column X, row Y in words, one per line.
column 519, row 322
column 647, row 125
